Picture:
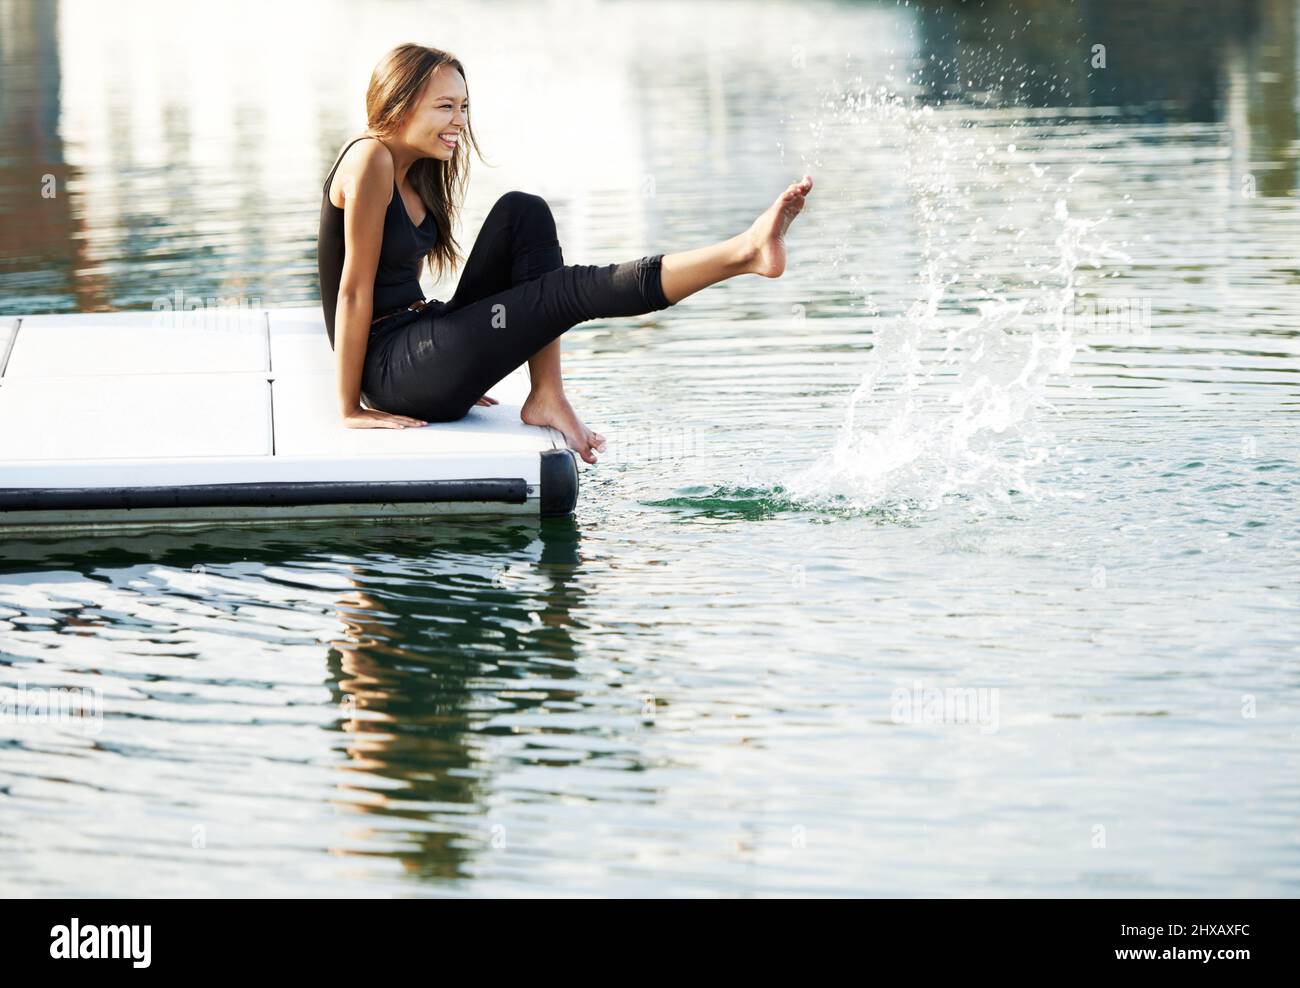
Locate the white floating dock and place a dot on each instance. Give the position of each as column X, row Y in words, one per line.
column 155, row 419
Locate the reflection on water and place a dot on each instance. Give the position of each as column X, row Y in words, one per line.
column 419, row 670
column 690, row 688
column 176, row 167
column 433, row 644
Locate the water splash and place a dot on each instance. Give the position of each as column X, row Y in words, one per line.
column 949, row 402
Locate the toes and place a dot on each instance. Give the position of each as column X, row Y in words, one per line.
column 585, row 445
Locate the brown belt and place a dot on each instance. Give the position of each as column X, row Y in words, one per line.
column 419, row 306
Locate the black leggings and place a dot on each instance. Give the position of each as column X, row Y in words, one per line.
column 515, row 296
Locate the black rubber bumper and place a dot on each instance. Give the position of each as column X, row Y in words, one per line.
column 262, row 495
column 559, row 494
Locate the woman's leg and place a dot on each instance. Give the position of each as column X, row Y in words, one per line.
column 548, row 404
column 436, row 368
column 759, row 250
column 516, row 243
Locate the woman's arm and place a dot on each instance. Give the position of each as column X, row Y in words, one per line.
column 365, row 180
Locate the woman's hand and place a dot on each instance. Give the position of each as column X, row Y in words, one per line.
column 487, row 400
column 372, row 418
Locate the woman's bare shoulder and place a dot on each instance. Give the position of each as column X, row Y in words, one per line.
column 363, row 163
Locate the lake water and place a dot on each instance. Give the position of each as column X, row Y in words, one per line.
column 962, row 560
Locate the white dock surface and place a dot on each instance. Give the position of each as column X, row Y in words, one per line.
column 142, row 399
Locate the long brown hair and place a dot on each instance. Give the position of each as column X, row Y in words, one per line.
column 395, row 85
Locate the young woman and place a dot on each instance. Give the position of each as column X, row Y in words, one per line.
column 390, row 201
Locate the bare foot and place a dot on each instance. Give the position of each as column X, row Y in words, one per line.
column 767, row 235
column 548, row 408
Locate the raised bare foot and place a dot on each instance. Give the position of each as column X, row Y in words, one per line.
column 767, row 235
column 548, row 408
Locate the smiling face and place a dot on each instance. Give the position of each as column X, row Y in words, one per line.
column 438, row 119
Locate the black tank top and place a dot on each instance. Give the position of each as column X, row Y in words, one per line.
column 397, row 279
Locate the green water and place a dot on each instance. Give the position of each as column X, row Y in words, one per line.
column 713, row 679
